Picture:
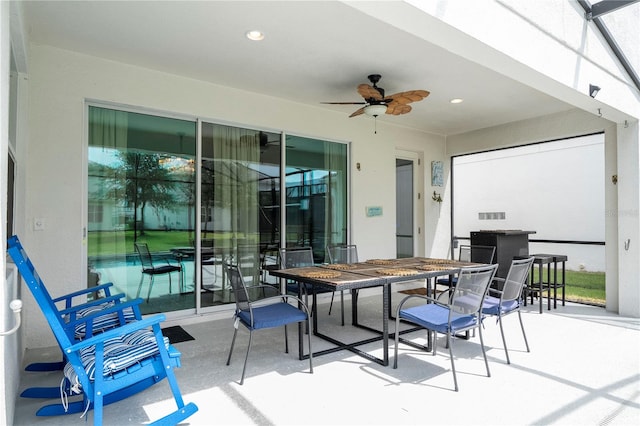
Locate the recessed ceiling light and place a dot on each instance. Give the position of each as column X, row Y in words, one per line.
column 456, row 101
column 255, row 35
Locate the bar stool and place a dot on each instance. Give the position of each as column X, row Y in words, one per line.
column 541, row 285
column 558, row 258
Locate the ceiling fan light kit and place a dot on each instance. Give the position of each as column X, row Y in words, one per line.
column 375, row 110
column 376, row 103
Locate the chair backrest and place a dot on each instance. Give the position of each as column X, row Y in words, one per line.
column 470, row 289
column 248, row 260
column 296, row 257
column 145, row 255
column 33, row 281
column 342, row 253
column 477, row 254
column 240, row 292
column 516, row 277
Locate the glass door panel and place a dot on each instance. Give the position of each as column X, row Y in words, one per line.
column 316, row 194
column 240, row 214
column 141, row 190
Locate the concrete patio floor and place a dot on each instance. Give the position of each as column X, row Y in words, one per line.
column 583, row 369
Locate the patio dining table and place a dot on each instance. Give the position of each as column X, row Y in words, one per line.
column 372, row 273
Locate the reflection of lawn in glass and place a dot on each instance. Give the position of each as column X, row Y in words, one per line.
column 107, row 243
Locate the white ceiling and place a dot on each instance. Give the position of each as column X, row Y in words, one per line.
column 313, row 52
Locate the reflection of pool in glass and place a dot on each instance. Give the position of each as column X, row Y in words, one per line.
column 125, row 274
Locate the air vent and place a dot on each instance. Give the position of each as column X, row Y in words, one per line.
column 491, row 216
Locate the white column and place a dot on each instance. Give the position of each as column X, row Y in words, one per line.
column 628, row 241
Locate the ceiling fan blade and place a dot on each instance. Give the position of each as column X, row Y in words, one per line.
column 359, row 111
column 369, row 92
column 408, row 97
column 397, row 108
column 344, row 103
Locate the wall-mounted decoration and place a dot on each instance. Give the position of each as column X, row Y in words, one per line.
column 437, row 173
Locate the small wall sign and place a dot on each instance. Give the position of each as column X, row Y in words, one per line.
column 374, row 211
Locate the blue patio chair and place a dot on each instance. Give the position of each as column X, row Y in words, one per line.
column 268, row 312
column 108, row 366
column 461, row 314
column 507, row 298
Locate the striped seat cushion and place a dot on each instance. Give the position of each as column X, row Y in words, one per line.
column 120, row 353
column 101, row 323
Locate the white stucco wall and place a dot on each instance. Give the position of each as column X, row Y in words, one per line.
column 60, row 81
column 555, row 189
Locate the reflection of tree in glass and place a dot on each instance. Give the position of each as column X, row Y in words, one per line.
column 207, row 193
column 148, row 183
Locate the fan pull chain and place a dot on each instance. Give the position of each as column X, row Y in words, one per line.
column 375, row 124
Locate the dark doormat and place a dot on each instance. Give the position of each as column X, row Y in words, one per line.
column 176, row 334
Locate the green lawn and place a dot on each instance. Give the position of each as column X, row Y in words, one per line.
column 111, row 242
column 107, row 243
column 584, row 287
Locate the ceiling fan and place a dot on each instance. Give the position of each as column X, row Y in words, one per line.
column 376, row 103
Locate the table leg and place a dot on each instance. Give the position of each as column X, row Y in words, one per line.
column 300, row 325
column 354, row 307
column 386, row 305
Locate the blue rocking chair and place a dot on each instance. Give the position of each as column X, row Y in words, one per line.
column 84, row 317
column 101, row 298
column 109, row 366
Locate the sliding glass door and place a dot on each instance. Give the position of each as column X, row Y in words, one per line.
column 143, row 196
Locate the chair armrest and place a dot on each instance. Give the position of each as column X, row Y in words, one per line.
column 268, row 300
column 419, row 296
column 494, row 290
column 116, row 332
column 95, row 302
column 67, row 297
column 166, row 259
column 448, row 292
column 265, row 287
column 117, row 308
